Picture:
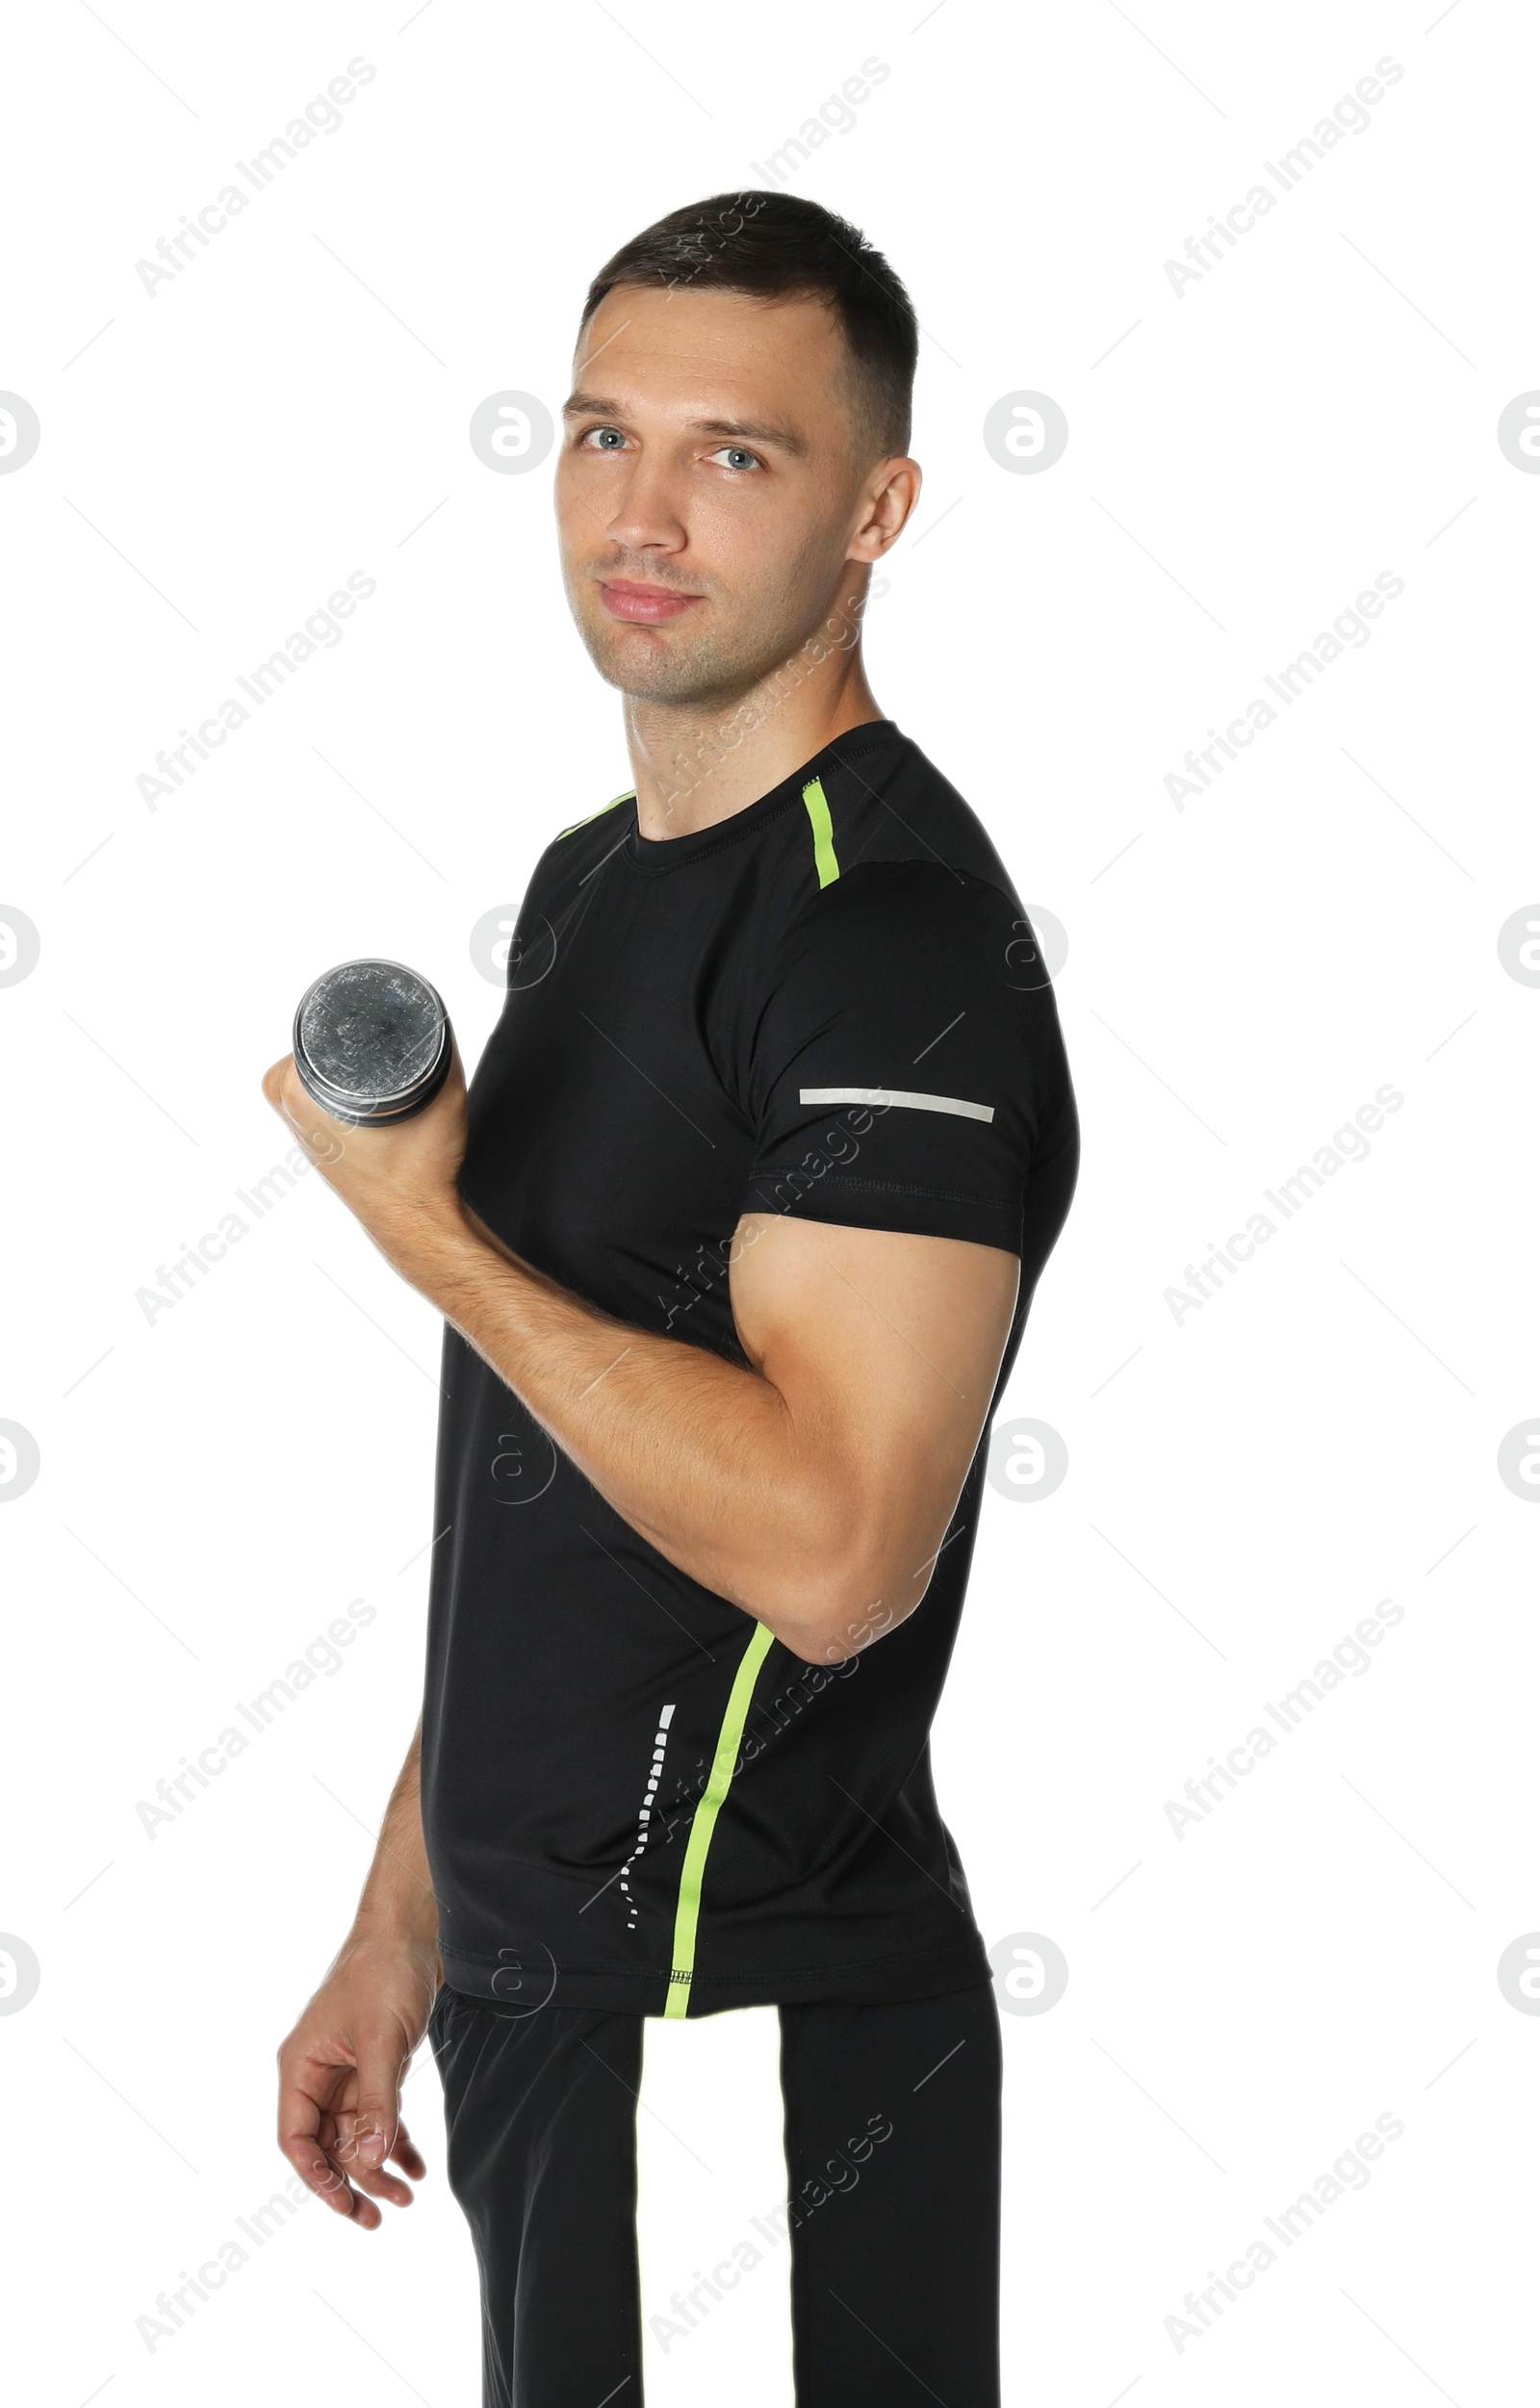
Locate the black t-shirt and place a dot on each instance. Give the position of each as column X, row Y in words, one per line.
column 829, row 1004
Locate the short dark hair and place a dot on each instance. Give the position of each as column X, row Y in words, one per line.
column 779, row 247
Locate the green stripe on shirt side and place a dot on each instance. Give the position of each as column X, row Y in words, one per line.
column 823, row 832
column 593, row 815
column 689, row 1913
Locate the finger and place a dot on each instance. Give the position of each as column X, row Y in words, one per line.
column 377, row 2182
column 340, row 2150
column 408, row 2155
column 318, row 2172
column 378, row 2113
column 307, row 2127
column 320, row 1136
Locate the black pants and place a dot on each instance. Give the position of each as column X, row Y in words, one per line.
column 895, row 2232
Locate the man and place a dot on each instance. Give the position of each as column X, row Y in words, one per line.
column 733, row 1237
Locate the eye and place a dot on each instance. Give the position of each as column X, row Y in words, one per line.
column 732, row 455
column 603, row 439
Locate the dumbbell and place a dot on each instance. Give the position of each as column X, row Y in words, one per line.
column 372, row 1042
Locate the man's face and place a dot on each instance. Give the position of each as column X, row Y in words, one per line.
column 710, row 487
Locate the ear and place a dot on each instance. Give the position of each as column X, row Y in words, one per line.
column 888, row 501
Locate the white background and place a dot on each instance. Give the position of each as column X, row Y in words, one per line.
column 1243, row 974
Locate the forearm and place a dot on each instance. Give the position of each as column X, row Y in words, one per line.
column 398, row 1904
column 706, row 1459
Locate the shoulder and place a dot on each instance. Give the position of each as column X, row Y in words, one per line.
column 577, row 848
column 887, row 803
column 897, row 937
column 589, row 817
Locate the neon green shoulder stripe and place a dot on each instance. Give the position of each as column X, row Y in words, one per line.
column 823, row 832
column 689, row 1913
column 627, row 797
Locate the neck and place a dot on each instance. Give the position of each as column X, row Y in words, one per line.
column 696, row 763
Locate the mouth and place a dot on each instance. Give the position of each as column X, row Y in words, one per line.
column 644, row 606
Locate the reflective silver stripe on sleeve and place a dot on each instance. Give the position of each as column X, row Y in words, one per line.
column 895, row 1095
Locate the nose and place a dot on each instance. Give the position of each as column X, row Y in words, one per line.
column 646, row 512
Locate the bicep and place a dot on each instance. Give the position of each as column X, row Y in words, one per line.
column 885, row 1349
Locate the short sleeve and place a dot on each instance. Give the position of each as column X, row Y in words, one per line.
column 908, row 1070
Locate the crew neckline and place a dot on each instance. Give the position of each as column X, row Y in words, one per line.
column 662, row 852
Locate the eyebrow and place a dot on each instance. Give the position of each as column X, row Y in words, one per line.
column 752, row 430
